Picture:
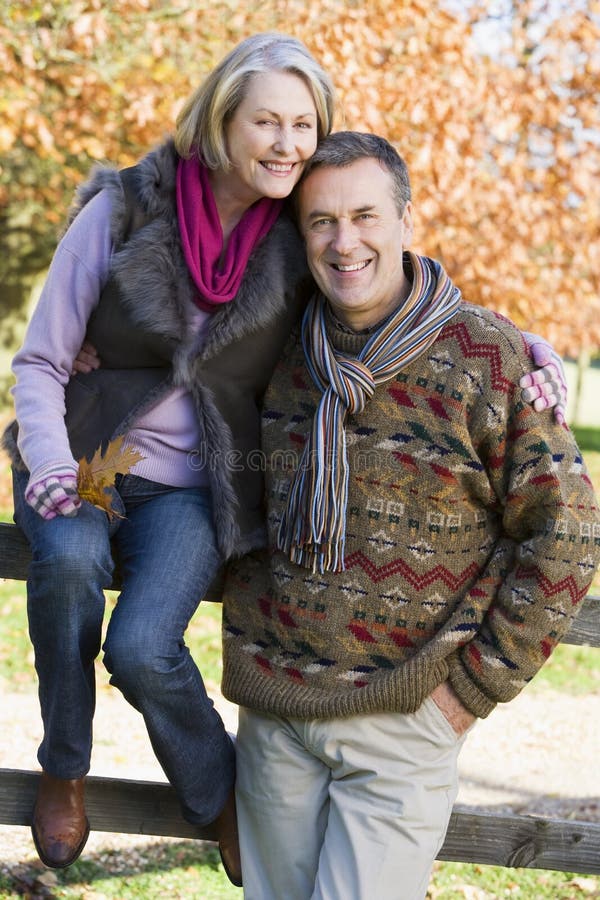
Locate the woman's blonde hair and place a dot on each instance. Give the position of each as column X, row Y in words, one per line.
column 200, row 126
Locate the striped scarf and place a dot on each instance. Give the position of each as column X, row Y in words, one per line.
column 312, row 531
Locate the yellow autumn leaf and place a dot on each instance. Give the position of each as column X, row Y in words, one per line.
column 97, row 476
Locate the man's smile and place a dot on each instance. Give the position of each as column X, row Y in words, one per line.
column 351, row 267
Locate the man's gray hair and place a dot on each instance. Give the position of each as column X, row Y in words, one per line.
column 342, row 148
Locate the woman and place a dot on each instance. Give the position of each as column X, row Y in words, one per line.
column 184, row 271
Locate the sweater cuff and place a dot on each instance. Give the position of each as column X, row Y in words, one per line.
column 60, row 466
column 467, row 691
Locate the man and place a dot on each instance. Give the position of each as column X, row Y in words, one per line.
column 431, row 538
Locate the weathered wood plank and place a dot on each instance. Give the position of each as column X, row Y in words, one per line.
column 586, row 628
column 14, row 552
column 113, row 804
column 530, row 842
column 15, row 556
column 474, row 836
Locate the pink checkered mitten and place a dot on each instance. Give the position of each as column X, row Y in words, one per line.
column 547, row 387
column 53, row 492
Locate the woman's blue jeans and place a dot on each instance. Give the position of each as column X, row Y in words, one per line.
column 168, row 556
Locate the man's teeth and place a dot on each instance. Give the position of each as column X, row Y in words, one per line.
column 353, row 268
column 278, row 167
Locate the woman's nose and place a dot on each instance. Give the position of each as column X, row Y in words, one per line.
column 284, row 142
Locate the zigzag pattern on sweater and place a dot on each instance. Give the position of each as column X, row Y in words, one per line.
column 479, row 350
column 417, row 580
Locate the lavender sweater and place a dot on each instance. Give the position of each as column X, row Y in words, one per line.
column 165, row 435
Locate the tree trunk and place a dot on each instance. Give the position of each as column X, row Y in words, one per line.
column 583, row 362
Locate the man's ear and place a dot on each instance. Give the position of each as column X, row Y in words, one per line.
column 407, row 224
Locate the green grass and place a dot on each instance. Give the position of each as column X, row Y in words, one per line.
column 588, row 439
column 179, row 870
column 457, row 881
column 16, row 654
column 570, row 670
column 183, row 870
column 204, row 641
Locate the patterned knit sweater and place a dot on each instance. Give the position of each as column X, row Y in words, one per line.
column 472, row 536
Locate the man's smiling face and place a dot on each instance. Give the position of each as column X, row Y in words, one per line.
column 355, row 236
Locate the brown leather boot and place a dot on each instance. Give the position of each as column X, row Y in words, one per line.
column 229, row 845
column 59, row 825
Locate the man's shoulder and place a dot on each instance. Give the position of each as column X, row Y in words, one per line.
column 478, row 324
column 487, row 345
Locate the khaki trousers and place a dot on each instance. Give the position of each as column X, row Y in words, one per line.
column 344, row 809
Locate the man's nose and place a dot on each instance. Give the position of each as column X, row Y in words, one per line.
column 345, row 237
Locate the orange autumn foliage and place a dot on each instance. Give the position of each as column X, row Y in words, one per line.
column 503, row 148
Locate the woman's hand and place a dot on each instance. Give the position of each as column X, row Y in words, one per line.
column 86, row 360
column 547, row 387
column 54, row 493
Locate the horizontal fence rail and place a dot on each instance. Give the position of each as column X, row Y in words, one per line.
column 474, row 835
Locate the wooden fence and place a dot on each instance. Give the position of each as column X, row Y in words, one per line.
column 474, row 835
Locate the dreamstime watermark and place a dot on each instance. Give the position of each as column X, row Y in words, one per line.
column 282, row 460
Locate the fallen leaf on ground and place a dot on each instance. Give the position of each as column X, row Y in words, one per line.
column 586, row 885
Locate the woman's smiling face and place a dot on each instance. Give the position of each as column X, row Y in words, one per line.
column 270, row 136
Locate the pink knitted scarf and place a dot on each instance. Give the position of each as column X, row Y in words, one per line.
column 202, row 236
